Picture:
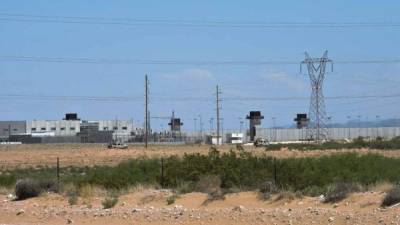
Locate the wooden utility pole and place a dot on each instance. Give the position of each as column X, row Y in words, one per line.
column 146, row 114
column 218, row 119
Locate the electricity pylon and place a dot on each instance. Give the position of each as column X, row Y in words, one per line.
column 317, row 127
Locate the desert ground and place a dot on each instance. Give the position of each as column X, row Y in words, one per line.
column 149, row 206
column 97, row 154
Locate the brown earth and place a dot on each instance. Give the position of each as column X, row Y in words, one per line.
column 149, row 206
column 96, row 154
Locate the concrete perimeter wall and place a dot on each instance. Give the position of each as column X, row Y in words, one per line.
column 334, row 133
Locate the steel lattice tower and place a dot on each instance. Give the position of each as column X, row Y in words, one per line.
column 317, row 127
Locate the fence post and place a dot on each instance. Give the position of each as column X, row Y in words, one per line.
column 162, row 172
column 58, row 172
column 275, row 177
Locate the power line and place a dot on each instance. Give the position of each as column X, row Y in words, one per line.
column 190, row 23
column 38, row 59
column 181, row 99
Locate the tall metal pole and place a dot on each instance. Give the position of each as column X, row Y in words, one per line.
column 241, row 124
column 218, row 119
column 316, row 71
column 146, row 117
column 211, row 121
column 274, row 127
column 201, row 127
column 348, row 124
column 195, row 129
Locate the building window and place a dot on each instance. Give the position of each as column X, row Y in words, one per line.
column 105, row 128
column 6, row 129
column 72, row 128
column 53, row 128
column 43, row 128
column 115, row 128
column 15, row 129
column 33, row 129
column 124, row 128
column 62, row 128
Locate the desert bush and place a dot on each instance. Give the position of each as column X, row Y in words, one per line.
column 185, row 187
column 48, row 185
column 86, row 193
column 266, row 189
column 27, row 188
column 208, row 184
column 72, row 198
column 226, row 171
column 339, row 191
column 171, row 199
column 392, row 197
column 313, row 191
column 71, row 193
column 216, row 195
column 109, row 202
column 287, row 195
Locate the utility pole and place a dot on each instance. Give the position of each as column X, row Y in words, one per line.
column 218, row 116
column 211, row 121
column 274, row 128
column 146, row 117
column 195, row 129
column 201, row 127
column 241, row 124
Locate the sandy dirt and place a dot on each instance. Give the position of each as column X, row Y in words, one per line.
column 96, row 154
column 150, row 207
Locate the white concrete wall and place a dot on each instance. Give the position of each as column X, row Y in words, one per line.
column 333, row 133
column 59, row 127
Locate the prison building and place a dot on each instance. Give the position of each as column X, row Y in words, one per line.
column 53, row 127
column 9, row 128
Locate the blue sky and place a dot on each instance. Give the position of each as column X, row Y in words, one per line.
column 193, row 43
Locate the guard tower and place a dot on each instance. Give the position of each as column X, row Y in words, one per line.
column 301, row 120
column 175, row 123
column 255, row 118
column 175, row 126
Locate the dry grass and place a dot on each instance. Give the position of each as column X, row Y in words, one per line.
column 86, row 192
column 285, row 195
column 382, row 187
column 91, row 154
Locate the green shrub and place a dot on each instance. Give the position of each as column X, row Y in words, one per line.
column 339, row 191
column 27, row 188
column 392, row 197
column 109, row 202
column 171, row 199
column 224, row 171
column 313, row 191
